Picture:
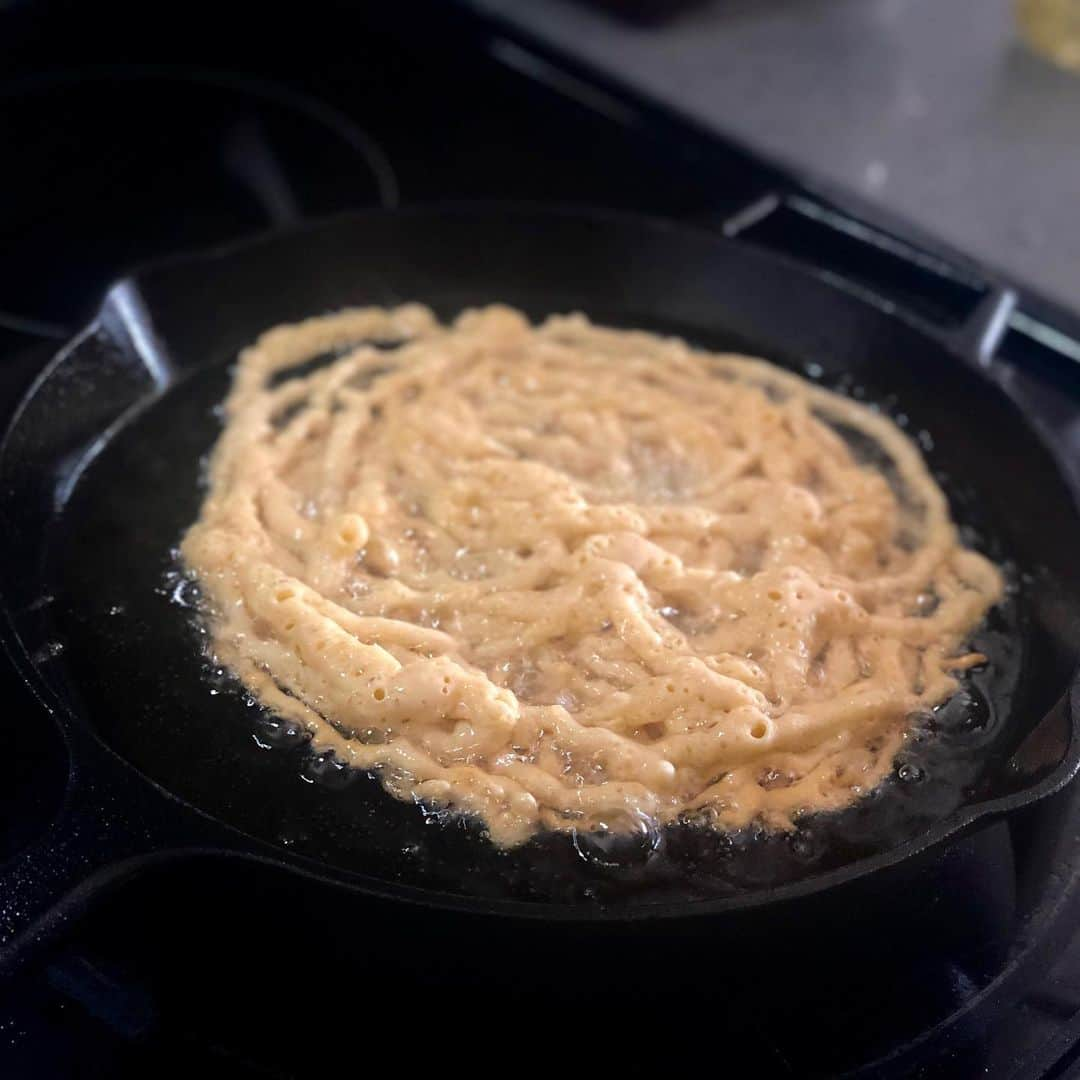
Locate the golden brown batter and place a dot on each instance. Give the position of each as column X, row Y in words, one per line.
column 575, row 577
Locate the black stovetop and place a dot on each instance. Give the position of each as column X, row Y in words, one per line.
column 114, row 162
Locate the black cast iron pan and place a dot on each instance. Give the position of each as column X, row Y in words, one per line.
column 100, row 474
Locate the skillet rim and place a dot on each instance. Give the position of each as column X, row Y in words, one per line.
column 953, row 826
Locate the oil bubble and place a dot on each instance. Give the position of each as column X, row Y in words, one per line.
column 620, row 849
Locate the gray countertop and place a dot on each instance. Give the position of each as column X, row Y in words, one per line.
column 932, row 108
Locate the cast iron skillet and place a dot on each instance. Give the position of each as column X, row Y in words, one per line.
column 100, row 473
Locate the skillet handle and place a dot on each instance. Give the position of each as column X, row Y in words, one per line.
column 1049, row 755
column 112, row 825
column 969, row 313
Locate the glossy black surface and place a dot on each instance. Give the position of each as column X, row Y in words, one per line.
column 118, row 428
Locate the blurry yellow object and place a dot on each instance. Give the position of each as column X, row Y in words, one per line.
column 1052, row 28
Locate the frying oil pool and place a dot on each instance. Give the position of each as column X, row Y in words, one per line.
column 142, row 674
column 588, row 475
